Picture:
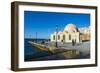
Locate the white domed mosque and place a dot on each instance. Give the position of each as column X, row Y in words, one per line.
column 70, row 33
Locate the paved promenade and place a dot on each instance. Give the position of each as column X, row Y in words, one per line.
column 83, row 47
column 67, row 51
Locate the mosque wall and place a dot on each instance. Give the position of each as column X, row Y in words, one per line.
column 70, row 33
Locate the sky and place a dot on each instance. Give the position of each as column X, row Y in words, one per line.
column 44, row 23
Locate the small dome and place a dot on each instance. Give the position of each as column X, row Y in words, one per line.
column 59, row 32
column 71, row 28
column 54, row 33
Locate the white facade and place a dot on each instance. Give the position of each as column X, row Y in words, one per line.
column 70, row 33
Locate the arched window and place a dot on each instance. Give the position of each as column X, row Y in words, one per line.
column 69, row 37
column 53, row 37
column 63, row 37
column 58, row 37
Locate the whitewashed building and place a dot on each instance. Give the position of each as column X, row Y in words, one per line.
column 70, row 33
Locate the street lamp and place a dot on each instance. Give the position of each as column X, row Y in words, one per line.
column 36, row 37
column 56, row 35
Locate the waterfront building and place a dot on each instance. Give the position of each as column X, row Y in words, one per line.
column 71, row 33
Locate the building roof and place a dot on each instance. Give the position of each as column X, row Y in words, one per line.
column 71, row 28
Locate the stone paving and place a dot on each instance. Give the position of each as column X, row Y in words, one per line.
column 83, row 48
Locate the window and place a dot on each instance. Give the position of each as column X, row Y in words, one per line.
column 58, row 37
column 53, row 37
column 63, row 37
column 69, row 37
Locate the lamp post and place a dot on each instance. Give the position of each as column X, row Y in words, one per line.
column 36, row 37
column 56, row 35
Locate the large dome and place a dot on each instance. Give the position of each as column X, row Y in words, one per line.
column 71, row 28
